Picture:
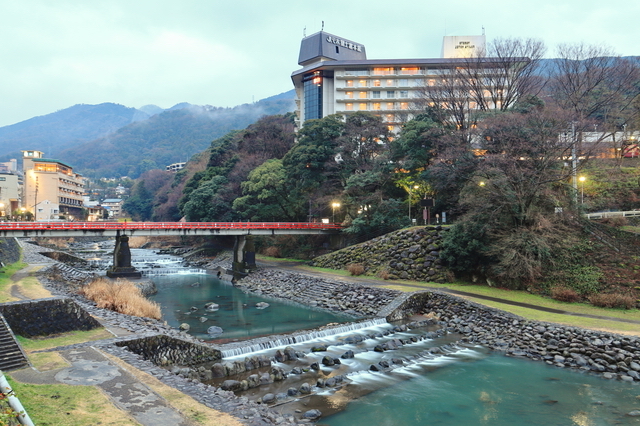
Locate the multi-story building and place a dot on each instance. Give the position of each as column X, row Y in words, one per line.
column 176, row 167
column 51, row 188
column 113, row 206
column 337, row 78
column 9, row 192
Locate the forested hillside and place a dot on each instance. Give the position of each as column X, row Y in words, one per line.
column 172, row 136
column 62, row 129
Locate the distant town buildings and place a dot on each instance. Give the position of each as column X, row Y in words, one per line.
column 51, row 188
column 113, row 207
column 175, row 167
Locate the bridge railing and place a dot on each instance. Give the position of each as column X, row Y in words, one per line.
column 17, row 226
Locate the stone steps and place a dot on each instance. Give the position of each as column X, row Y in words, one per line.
column 11, row 355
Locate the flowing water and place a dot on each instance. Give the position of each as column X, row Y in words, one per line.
column 448, row 385
column 494, row 390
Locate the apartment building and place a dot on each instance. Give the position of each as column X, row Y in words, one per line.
column 51, row 188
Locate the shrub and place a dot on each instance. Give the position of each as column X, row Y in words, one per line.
column 564, row 294
column 355, row 269
column 613, row 300
column 272, row 251
column 616, row 221
column 384, row 274
column 121, row 296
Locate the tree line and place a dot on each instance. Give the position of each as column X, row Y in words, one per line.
column 496, row 144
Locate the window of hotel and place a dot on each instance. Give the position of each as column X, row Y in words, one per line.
column 383, row 71
column 377, row 83
column 362, row 95
column 391, row 94
column 362, row 106
column 312, row 86
column 389, row 117
column 356, row 72
column 375, row 94
column 391, row 83
column 349, row 83
column 403, row 82
column 409, row 70
column 3, row 179
column 473, row 105
column 349, row 107
column 390, row 128
column 431, row 82
column 389, row 105
column 404, row 93
column 404, row 105
column 349, row 95
column 376, row 106
column 363, row 83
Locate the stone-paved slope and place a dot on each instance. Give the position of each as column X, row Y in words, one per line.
column 412, row 254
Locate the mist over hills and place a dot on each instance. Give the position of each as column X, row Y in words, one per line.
column 111, row 140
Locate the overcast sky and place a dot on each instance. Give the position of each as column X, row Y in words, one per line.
column 58, row 53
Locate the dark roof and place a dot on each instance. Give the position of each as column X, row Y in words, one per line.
column 325, row 45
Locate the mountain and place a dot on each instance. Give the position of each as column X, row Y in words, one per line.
column 68, row 127
column 169, row 137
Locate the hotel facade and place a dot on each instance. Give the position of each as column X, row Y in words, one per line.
column 337, row 78
column 51, row 188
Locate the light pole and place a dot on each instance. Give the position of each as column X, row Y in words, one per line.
column 334, row 206
column 582, row 179
column 410, row 198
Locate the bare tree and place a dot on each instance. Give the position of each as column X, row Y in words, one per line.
column 494, row 79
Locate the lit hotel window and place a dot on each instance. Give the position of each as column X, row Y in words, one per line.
column 409, row 70
column 389, row 118
column 389, row 105
column 363, row 106
column 377, row 83
column 349, row 107
column 349, row 83
column 383, row 71
column 376, row 106
column 349, row 95
column 390, row 128
column 363, row 83
column 404, row 105
column 391, row 83
column 362, row 95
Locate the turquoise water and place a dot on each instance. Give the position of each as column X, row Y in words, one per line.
column 495, row 391
column 238, row 316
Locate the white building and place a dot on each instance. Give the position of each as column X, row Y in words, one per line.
column 337, row 78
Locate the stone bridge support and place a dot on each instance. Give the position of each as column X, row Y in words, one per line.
column 244, row 255
column 122, row 260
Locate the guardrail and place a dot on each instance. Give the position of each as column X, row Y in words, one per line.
column 604, row 215
column 127, row 226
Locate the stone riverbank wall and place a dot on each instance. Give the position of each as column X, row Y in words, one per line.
column 409, row 254
column 46, row 316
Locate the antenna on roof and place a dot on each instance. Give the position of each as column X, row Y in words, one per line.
column 483, row 30
column 322, row 25
column 304, row 32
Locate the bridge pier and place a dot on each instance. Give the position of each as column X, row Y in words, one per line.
column 122, row 260
column 244, row 255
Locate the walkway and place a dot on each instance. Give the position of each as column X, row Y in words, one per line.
column 293, row 266
column 89, row 367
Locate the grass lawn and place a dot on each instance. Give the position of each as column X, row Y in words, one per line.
column 6, row 282
column 56, row 405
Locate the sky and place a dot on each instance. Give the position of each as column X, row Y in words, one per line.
column 58, row 53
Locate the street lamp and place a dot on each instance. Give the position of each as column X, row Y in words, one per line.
column 582, row 179
column 410, row 198
column 334, row 206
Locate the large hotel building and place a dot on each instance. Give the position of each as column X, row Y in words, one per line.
column 337, row 78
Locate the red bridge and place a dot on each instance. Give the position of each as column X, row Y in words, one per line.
column 112, row 229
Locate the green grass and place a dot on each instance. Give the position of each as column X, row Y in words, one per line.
column 71, row 338
column 55, row 405
column 6, row 282
column 278, row 259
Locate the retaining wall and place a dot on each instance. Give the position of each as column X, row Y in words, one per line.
column 46, row 316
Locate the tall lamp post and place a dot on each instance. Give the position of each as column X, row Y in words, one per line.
column 410, row 198
column 334, row 206
column 582, row 179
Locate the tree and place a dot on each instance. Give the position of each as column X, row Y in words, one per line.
column 511, row 196
column 203, row 204
column 266, row 196
column 492, row 80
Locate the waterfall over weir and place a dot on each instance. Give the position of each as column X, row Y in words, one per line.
column 297, row 338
